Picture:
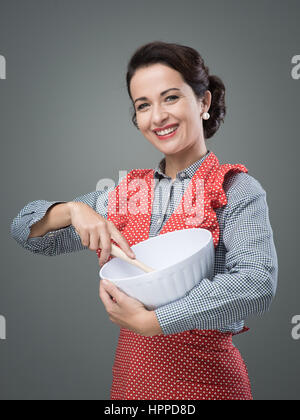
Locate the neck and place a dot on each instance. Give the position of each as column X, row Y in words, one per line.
column 179, row 162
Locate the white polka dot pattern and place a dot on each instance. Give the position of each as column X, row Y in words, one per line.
column 193, row 365
column 196, row 364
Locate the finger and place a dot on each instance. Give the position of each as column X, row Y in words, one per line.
column 105, row 245
column 105, row 297
column 122, row 241
column 94, row 240
column 102, row 290
column 85, row 238
column 110, row 288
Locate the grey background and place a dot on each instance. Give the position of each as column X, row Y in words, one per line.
column 66, row 123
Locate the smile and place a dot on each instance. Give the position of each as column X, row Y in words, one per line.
column 165, row 134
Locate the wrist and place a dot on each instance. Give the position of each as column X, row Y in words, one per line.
column 150, row 325
column 72, row 206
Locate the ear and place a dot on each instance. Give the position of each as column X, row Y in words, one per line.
column 207, row 100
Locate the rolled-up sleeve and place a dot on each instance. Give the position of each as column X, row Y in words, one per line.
column 249, row 284
column 56, row 242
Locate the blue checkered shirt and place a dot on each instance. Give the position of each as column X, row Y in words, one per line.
column 246, row 265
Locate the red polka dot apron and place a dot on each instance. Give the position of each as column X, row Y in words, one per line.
column 196, row 364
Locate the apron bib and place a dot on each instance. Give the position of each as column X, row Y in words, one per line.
column 196, row 364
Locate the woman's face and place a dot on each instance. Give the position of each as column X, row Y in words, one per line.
column 162, row 98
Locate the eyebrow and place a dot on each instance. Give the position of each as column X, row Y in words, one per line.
column 144, row 98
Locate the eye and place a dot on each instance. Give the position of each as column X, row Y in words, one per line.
column 141, row 107
column 172, row 96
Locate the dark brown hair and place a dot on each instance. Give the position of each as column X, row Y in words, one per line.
column 189, row 63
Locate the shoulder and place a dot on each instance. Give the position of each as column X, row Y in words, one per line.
column 241, row 187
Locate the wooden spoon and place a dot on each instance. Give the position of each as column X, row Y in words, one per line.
column 119, row 253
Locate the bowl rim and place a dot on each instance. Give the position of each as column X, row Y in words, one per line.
column 210, row 240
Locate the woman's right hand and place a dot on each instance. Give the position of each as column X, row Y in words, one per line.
column 96, row 232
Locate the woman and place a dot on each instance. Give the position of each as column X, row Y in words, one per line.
column 182, row 350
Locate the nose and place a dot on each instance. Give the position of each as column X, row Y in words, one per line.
column 159, row 116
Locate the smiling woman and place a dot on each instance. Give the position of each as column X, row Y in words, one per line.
column 177, row 106
column 190, row 65
column 170, row 86
column 182, row 350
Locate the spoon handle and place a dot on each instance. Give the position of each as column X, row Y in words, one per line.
column 119, row 253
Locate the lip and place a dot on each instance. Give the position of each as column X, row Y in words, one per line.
column 167, row 136
column 164, row 128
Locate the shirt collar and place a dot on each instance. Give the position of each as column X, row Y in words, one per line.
column 159, row 171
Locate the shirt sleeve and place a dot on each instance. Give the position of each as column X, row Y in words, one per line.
column 56, row 242
column 249, row 284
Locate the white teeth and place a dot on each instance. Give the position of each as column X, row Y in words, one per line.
column 168, row 131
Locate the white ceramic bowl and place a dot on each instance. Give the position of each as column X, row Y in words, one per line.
column 181, row 258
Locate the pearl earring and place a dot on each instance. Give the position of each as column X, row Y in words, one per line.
column 206, row 116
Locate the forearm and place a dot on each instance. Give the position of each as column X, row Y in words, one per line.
column 57, row 217
column 218, row 303
column 59, row 240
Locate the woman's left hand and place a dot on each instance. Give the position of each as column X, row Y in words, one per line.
column 127, row 312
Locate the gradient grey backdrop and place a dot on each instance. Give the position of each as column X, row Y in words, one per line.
column 65, row 124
